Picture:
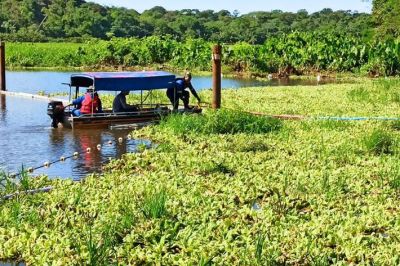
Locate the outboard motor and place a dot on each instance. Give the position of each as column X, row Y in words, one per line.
column 55, row 109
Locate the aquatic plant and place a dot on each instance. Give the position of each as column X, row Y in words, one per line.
column 308, row 193
column 379, row 142
column 154, row 203
column 221, row 122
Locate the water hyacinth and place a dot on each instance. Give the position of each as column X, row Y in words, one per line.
column 305, row 193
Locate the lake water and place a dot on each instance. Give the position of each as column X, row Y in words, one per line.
column 51, row 81
column 26, row 138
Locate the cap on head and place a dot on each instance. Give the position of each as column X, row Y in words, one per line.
column 90, row 89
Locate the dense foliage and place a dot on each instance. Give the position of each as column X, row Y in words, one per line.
column 295, row 53
column 221, row 122
column 386, row 15
column 35, row 20
column 314, row 192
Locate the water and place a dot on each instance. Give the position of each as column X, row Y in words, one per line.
column 51, row 82
column 9, row 263
column 26, row 138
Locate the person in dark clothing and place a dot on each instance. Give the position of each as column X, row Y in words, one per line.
column 180, row 92
column 120, row 105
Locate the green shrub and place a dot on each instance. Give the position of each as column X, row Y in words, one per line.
column 359, row 94
column 379, row 142
column 221, row 122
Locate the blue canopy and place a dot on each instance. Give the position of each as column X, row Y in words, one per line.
column 124, row 81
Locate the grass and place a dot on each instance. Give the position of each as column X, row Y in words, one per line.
column 221, row 122
column 380, row 142
column 98, row 250
column 10, row 183
column 154, row 203
column 259, row 248
column 6, row 184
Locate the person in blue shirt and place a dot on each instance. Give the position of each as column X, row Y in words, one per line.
column 180, row 92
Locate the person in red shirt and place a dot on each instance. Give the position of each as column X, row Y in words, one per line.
column 89, row 103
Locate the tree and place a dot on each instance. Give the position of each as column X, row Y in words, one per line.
column 386, row 14
column 125, row 23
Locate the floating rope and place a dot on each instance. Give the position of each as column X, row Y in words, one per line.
column 32, row 96
column 338, row 118
column 28, row 192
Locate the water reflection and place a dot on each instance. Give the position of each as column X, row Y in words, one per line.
column 3, row 106
column 64, row 142
column 3, row 102
column 9, row 263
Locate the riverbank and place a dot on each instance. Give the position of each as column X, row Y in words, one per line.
column 230, row 189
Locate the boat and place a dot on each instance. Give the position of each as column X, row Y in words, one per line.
column 145, row 81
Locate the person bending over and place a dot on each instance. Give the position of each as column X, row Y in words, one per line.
column 180, row 92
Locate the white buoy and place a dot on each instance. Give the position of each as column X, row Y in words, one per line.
column 98, row 146
column 120, row 140
column 76, row 154
column 88, row 150
column 46, row 164
column 62, row 159
column 30, row 169
column 110, row 142
column 129, row 136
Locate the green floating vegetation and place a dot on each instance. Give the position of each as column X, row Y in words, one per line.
column 221, row 122
column 295, row 193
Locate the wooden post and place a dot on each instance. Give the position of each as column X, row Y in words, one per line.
column 216, row 65
column 2, row 66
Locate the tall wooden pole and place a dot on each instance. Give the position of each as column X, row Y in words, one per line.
column 2, row 66
column 216, row 66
